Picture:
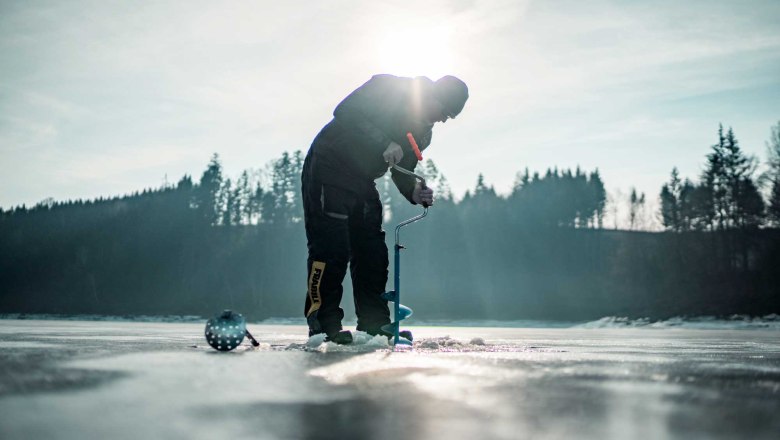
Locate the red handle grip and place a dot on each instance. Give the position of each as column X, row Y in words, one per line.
column 414, row 146
column 419, row 157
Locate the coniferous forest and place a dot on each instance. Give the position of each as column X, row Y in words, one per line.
column 541, row 252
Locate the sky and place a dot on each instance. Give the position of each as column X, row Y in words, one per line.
column 101, row 98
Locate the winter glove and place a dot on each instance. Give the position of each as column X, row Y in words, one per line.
column 422, row 196
column 393, row 154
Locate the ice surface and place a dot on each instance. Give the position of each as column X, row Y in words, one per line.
column 129, row 380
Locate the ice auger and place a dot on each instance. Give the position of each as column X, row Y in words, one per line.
column 400, row 311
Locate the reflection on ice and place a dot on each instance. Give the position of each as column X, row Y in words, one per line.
column 393, row 367
column 435, row 376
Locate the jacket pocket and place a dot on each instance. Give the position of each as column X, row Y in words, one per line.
column 336, row 202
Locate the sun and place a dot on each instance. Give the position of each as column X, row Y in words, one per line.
column 416, row 51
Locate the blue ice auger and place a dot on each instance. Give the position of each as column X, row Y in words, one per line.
column 400, row 311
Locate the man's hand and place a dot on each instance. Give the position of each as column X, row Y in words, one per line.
column 422, row 196
column 393, row 154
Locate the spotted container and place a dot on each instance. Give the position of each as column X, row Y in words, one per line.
column 226, row 331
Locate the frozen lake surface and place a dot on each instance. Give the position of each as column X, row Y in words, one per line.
column 131, row 380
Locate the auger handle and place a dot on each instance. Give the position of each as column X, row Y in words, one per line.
column 423, row 186
column 416, row 176
column 251, row 338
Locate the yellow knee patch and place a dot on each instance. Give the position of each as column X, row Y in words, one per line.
column 317, row 269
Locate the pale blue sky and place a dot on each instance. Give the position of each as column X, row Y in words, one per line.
column 103, row 98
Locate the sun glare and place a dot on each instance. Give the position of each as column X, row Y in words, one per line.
column 416, row 51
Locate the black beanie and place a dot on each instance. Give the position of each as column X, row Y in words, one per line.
column 452, row 93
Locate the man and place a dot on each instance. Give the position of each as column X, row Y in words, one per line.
column 342, row 210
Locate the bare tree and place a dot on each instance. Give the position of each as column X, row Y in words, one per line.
column 636, row 206
column 772, row 176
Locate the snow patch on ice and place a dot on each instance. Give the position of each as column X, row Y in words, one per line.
column 263, row 346
column 361, row 342
column 495, row 323
column 446, row 344
column 316, row 340
column 734, row 322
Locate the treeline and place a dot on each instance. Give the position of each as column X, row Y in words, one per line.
column 727, row 196
column 540, row 252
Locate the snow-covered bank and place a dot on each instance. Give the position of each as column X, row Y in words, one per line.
column 734, row 322
column 88, row 317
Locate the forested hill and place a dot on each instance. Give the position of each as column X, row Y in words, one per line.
column 540, row 252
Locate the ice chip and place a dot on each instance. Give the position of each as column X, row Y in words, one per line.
column 429, row 344
column 316, row 340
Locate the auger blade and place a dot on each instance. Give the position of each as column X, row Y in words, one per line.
column 403, row 312
column 390, row 296
column 404, row 341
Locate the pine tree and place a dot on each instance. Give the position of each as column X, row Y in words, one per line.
column 670, row 203
column 207, row 195
column 483, row 200
column 282, row 203
column 702, row 207
column 481, row 188
column 746, row 206
column 521, row 180
column 713, row 179
column 749, row 212
column 240, row 209
column 773, row 210
column 728, row 182
column 598, row 197
column 256, row 204
column 687, row 213
column 669, row 209
column 185, row 183
column 227, row 202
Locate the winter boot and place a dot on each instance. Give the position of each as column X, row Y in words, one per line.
column 342, row 337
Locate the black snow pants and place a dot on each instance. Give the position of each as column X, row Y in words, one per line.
column 343, row 227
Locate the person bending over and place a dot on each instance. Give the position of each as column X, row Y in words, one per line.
column 342, row 208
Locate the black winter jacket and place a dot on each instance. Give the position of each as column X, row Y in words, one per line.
column 348, row 150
